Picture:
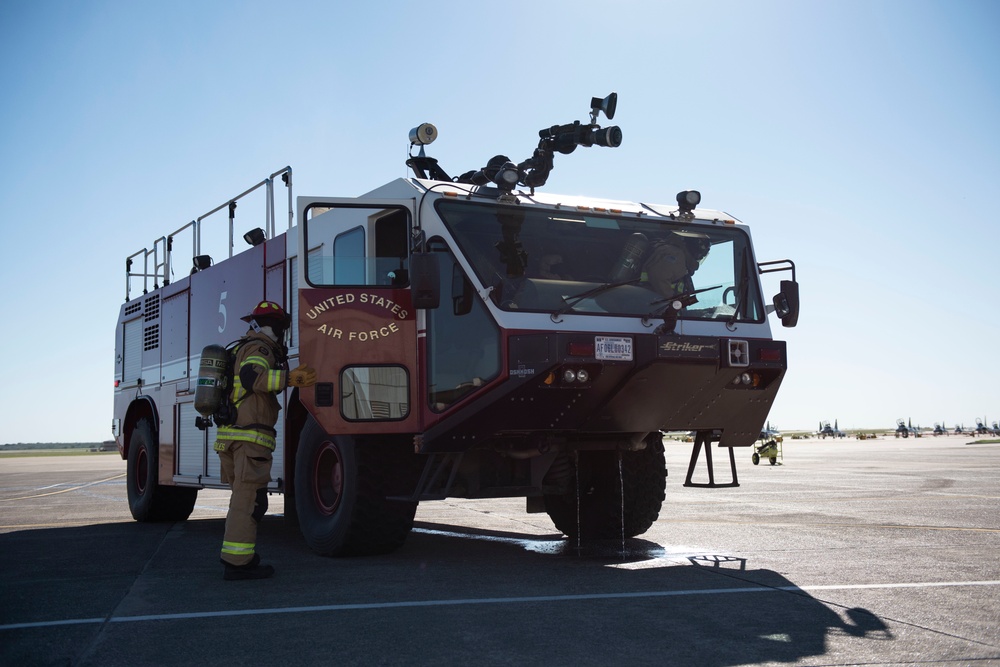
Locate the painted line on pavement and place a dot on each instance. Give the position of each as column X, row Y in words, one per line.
column 485, row 601
column 72, row 488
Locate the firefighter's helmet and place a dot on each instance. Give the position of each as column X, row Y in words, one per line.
column 269, row 313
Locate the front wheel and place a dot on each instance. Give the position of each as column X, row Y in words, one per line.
column 342, row 490
column 755, row 458
column 593, row 507
column 147, row 499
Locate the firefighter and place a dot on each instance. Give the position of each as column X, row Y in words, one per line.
column 246, row 447
column 670, row 263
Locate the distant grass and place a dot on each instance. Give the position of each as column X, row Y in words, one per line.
column 985, row 442
column 51, row 452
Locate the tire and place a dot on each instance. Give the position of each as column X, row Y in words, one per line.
column 341, row 489
column 147, row 500
column 773, row 460
column 602, row 513
column 755, row 458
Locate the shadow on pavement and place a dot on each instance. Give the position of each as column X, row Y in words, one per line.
column 452, row 593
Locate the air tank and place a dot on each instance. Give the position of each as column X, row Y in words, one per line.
column 212, row 381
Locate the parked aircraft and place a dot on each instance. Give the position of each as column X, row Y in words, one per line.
column 905, row 430
column 826, row 430
column 770, row 433
column 983, row 429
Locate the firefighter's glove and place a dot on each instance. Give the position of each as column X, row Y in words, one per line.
column 303, row 376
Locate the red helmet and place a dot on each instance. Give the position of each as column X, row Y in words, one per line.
column 268, row 312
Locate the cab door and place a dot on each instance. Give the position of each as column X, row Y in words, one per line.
column 357, row 326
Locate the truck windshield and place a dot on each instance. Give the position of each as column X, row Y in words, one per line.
column 565, row 261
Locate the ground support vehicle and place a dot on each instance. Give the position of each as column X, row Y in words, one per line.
column 473, row 338
column 768, row 447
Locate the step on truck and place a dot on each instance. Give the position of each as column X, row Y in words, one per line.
column 473, row 337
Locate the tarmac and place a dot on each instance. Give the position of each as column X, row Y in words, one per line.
column 847, row 552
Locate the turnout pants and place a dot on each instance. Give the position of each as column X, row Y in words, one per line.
column 246, row 467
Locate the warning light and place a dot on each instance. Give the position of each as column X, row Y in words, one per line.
column 580, row 349
column 769, row 354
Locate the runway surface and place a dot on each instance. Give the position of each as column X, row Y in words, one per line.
column 875, row 552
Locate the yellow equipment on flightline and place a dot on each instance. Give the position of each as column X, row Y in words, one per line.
column 768, row 447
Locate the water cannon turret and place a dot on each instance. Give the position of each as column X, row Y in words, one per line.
column 565, row 138
column 501, row 172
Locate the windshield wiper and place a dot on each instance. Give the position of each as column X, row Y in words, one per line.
column 571, row 301
column 685, row 299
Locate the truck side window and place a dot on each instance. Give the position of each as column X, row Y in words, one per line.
column 357, row 245
column 463, row 349
column 374, row 393
column 349, row 257
column 391, row 250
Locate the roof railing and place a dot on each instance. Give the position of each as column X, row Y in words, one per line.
column 162, row 251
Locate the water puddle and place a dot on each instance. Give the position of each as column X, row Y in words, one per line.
column 634, row 554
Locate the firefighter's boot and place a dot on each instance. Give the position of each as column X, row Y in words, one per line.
column 252, row 570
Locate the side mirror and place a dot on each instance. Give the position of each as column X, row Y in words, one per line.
column 461, row 291
column 425, row 280
column 786, row 303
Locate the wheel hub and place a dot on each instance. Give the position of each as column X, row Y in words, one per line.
column 328, row 481
column 141, row 471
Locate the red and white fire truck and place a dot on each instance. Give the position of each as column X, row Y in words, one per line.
column 472, row 336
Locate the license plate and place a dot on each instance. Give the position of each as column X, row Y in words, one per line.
column 613, row 348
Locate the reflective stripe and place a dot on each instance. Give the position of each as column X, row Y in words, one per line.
column 239, row 393
column 245, row 435
column 260, row 361
column 275, row 380
column 238, row 548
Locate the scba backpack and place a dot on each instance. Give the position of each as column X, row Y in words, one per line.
column 213, row 395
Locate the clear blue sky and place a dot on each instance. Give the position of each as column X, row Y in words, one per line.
column 858, row 138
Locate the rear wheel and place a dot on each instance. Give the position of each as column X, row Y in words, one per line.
column 147, row 499
column 341, row 493
column 601, row 512
column 755, row 458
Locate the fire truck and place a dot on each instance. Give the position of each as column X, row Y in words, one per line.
column 473, row 337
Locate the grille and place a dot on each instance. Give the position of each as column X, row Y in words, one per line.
column 151, row 337
column 324, row 394
column 152, row 310
column 133, row 308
